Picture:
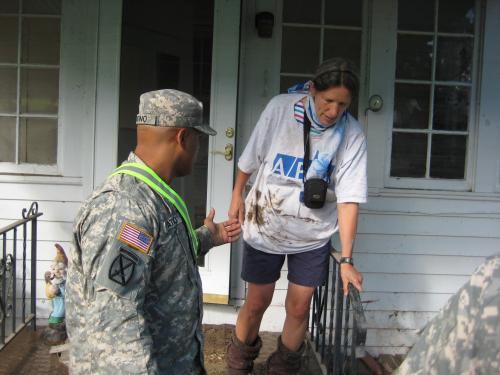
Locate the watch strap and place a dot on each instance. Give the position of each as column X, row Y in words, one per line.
column 348, row 260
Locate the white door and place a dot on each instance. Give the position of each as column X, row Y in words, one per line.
column 215, row 272
column 189, row 45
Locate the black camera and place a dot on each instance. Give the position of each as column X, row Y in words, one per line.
column 315, row 192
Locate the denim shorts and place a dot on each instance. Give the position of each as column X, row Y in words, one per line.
column 309, row 268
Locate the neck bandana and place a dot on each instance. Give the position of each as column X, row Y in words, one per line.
column 324, row 150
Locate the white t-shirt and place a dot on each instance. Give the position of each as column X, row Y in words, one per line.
column 275, row 219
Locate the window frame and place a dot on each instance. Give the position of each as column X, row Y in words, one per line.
column 33, row 169
column 430, row 183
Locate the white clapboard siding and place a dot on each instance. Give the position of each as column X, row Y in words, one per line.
column 412, row 224
column 464, row 206
column 369, row 263
column 51, row 190
column 381, row 243
column 52, row 210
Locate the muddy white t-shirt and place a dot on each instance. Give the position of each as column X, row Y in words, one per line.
column 276, row 221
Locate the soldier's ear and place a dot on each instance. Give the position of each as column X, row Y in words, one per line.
column 181, row 137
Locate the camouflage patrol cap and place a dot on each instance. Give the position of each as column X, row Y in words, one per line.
column 173, row 108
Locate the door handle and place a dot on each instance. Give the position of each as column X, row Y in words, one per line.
column 375, row 104
column 228, row 152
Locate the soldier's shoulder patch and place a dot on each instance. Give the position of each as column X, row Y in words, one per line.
column 135, row 237
column 122, row 268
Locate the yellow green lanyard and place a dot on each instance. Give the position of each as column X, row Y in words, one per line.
column 148, row 176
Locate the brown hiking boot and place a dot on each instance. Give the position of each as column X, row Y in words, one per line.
column 240, row 357
column 283, row 361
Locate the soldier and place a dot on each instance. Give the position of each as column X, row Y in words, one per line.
column 134, row 297
column 464, row 338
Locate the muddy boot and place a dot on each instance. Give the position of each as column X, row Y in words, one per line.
column 240, row 357
column 283, row 361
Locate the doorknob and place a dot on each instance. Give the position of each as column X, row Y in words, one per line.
column 228, row 152
column 375, row 104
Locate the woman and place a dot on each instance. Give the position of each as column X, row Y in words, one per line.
column 278, row 214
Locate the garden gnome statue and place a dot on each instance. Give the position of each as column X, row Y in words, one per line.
column 55, row 283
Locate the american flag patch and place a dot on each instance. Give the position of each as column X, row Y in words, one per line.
column 135, row 237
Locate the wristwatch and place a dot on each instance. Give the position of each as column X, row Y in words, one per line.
column 347, row 260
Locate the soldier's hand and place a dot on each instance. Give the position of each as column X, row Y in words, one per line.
column 227, row 231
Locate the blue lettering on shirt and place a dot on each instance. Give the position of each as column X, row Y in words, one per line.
column 292, row 166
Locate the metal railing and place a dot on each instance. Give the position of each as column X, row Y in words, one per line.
column 338, row 324
column 23, row 234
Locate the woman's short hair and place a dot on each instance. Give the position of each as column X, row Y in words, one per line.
column 337, row 72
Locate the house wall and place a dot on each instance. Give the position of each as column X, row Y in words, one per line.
column 415, row 248
column 87, row 134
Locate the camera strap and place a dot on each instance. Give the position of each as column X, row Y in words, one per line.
column 307, row 130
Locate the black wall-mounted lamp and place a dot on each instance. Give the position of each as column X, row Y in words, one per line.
column 264, row 22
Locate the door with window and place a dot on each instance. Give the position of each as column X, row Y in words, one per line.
column 423, row 64
column 419, row 59
column 190, row 46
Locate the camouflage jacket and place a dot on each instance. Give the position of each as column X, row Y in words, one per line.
column 464, row 338
column 134, row 297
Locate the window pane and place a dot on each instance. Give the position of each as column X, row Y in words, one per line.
column 409, row 153
column 448, row 156
column 7, row 139
column 39, row 90
column 38, row 141
column 300, row 11
column 343, row 13
column 8, row 90
column 416, row 15
column 42, row 6
column 456, row 16
column 454, row 59
column 411, row 105
column 40, row 40
column 8, row 40
column 286, row 82
column 300, row 50
column 9, row 6
column 414, row 57
column 343, row 43
column 451, row 108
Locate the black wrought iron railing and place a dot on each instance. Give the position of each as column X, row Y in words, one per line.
column 337, row 324
column 17, row 239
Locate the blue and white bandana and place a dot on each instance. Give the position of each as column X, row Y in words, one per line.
column 321, row 165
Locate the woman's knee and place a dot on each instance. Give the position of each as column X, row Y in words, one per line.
column 259, row 298
column 257, row 307
column 297, row 309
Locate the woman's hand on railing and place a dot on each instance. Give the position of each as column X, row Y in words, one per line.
column 350, row 274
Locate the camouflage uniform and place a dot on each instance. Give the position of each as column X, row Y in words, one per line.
column 464, row 338
column 134, row 297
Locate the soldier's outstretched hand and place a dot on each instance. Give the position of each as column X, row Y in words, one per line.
column 227, row 231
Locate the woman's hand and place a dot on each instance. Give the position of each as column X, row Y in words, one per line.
column 237, row 208
column 227, row 231
column 349, row 274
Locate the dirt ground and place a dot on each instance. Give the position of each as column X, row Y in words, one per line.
column 27, row 354
column 217, row 338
